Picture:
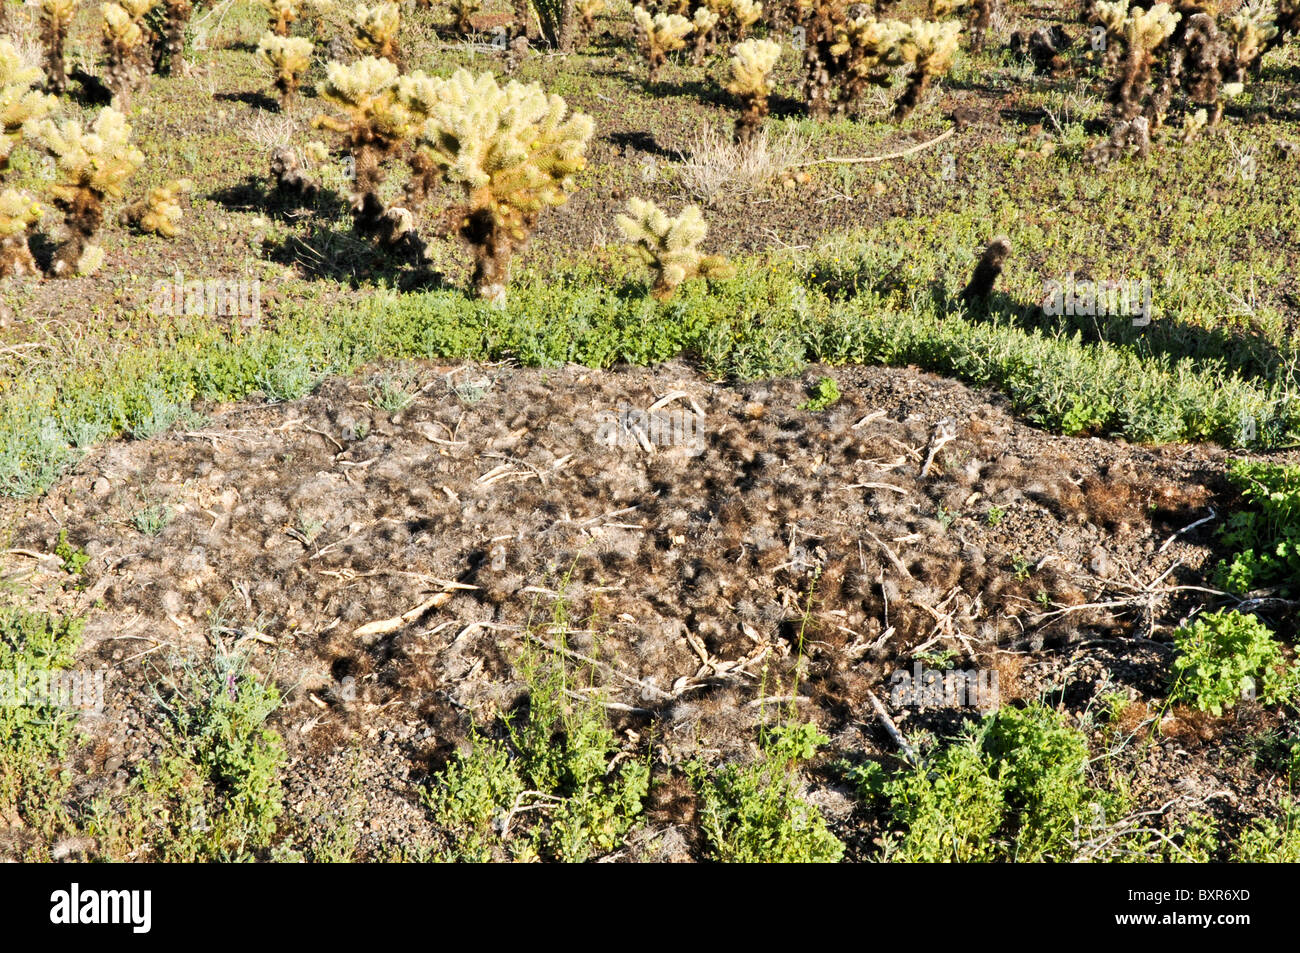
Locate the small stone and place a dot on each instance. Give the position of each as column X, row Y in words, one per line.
column 101, row 487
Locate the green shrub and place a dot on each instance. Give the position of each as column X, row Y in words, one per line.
column 752, row 813
column 1264, row 536
column 1223, row 654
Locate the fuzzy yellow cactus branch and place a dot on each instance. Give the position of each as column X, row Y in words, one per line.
column 659, row 35
column 289, row 57
column 124, row 46
column 513, row 151
column 751, row 65
column 281, row 14
column 93, row 166
column 19, row 102
column 18, row 211
column 930, row 48
column 704, row 27
column 376, row 123
column 55, row 18
column 1142, row 33
column 160, row 210
column 376, row 30
column 588, row 10
column 669, row 245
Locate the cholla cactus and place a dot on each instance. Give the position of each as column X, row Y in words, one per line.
column 125, row 47
column 751, row 68
column 289, row 57
column 588, row 10
column 281, row 14
column 862, row 51
column 930, row 47
column 513, row 150
column 17, row 212
column 160, row 210
column 56, row 16
column 19, row 102
column 703, row 26
column 1251, row 30
column 739, row 15
column 169, row 40
column 660, row 35
column 465, row 11
column 669, row 245
column 376, row 124
column 1143, row 32
column 93, row 165
column 376, row 29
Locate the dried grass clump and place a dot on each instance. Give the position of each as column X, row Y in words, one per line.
column 289, row 57
column 669, row 245
column 714, row 166
column 94, row 165
column 751, row 65
column 659, row 35
column 160, row 211
column 18, row 212
column 513, row 151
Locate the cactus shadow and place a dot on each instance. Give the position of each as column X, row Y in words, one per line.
column 642, row 142
column 90, row 91
column 255, row 99
column 252, row 195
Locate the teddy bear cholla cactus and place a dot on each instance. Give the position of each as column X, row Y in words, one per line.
column 160, row 210
column 55, row 17
column 513, row 150
column 124, row 44
column 464, row 11
column 737, row 15
column 659, row 35
column 375, row 126
column 864, row 49
column 930, row 48
column 669, row 245
column 17, row 213
column 169, row 40
column 1142, row 33
column 281, row 13
column 93, row 166
column 751, row 64
column 704, row 24
column 289, row 56
column 588, row 10
column 376, row 29
column 19, row 102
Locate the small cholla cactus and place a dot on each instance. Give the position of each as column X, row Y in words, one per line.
column 703, row 28
column 17, row 212
column 19, row 102
column 930, row 47
column 89, row 261
column 588, row 10
column 377, row 123
column 169, row 39
column 125, row 47
column 289, row 56
column 669, row 245
column 93, row 166
column 1251, row 30
column 737, row 15
column 513, row 150
column 281, row 14
column 465, row 11
column 1143, row 33
column 660, row 35
column 376, row 29
column 56, row 16
column 160, row 210
column 751, row 69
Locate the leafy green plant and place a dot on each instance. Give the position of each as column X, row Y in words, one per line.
column 1272, row 841
column 1264, row 536
column 74, row 558
column 1223, row 654
column 152, row 519
column 753, row 813
column 550, row 783
column 823, row 394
